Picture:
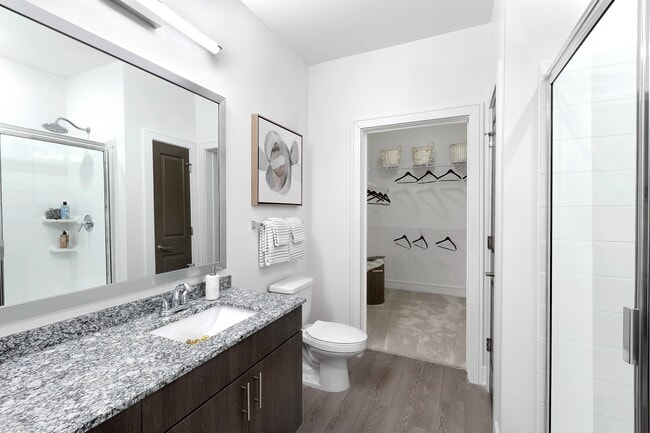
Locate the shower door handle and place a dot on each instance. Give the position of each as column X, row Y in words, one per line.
column 631, row 335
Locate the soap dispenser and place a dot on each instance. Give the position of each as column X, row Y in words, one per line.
column 212, row 285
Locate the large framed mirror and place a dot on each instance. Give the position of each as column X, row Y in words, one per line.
column 112, row 169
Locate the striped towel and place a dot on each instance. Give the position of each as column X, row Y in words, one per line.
column 296, row 251
column 281, row 231
column 269, row 253
column 297, row 230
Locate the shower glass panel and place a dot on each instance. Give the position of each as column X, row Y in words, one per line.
column 36, row 176
column 593, row 167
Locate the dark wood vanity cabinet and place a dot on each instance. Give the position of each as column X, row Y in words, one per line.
column 266, row 399
column 253, row 387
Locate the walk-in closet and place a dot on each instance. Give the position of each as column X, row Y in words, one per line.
column 417, row 242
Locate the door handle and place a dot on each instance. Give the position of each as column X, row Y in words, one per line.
column 259, row 390
column 247, row 411
column 164, row 249
column 489, row 274
column 631, row 335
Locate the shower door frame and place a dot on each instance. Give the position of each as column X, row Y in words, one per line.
column 106, row 149
column 594, row 12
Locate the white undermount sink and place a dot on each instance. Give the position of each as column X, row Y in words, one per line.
column 205, row 324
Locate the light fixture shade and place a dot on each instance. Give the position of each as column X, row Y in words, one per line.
column 154, row 12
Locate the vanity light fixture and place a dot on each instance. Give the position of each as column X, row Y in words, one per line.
column 154, row 13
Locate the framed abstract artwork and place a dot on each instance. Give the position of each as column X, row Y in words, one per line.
column 276, row 163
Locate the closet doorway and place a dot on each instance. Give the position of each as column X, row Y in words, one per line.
column 418, row 244
column 417, row 241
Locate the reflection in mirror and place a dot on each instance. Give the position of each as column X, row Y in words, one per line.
column 131, row 159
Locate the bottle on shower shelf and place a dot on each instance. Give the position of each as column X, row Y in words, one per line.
column 64, row 240
column 65, row 211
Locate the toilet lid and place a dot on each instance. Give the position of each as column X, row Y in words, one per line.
column 336, row 333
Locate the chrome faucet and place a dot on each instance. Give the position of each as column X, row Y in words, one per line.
column 179, row 300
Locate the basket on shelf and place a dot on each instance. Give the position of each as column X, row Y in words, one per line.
column 423, row 155
column 391, row 157
column 458, row 153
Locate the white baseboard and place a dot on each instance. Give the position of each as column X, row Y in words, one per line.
column 426, row 288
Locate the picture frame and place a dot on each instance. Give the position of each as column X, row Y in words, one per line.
column 276, row 163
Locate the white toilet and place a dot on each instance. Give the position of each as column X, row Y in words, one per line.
column 326, row 345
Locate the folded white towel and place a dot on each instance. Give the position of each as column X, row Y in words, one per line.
column 269, row 253
column 297, row 229
column 296, row 251
column 281, row 231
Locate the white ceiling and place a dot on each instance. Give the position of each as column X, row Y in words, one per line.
column 322, row 30
column 24, row 41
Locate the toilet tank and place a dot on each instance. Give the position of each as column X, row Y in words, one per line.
column 298, row 286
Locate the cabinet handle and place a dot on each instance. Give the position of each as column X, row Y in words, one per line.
column 375, row 270
column 247, row 411
column 259, row 390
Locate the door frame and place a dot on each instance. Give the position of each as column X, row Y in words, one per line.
column 489, row 226
column 588, row 21
column 475, row 213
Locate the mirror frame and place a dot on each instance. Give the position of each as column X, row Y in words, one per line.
column 28, row 310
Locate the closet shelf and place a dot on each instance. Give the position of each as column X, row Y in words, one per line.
column 406, row 167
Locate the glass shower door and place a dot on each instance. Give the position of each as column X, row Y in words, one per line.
column 37, row 176
column 593, row 169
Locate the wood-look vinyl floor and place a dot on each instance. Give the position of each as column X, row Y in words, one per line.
column 393, row 394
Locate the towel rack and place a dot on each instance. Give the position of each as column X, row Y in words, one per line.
column 255, row 225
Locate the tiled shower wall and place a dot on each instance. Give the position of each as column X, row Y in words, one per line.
column 593, row 236
column 37, row 176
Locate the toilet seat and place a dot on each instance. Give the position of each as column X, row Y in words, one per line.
column 334, row 337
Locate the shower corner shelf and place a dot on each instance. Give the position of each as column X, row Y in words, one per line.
column 73, row 220
column 56, row 250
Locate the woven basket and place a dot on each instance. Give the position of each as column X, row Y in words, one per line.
column 423, row 155
column 391, row 157
column 458, row 153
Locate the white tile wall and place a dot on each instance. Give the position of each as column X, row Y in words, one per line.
column 594, row 174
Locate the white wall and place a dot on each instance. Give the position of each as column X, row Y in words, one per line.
column 30, row 97
column 533, row 32
column 434, row 73
column 435, row 210
column 256, row 72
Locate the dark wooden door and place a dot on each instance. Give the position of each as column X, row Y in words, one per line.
column 276, row 390
column 172, row 215
column 223, row 413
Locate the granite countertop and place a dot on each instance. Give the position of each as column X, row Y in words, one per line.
column 73, row 375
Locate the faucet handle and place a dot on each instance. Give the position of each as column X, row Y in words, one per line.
column 164, row 304
column 184, row 294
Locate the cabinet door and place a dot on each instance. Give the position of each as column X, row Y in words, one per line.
column 276, row 390
column 226, row 412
